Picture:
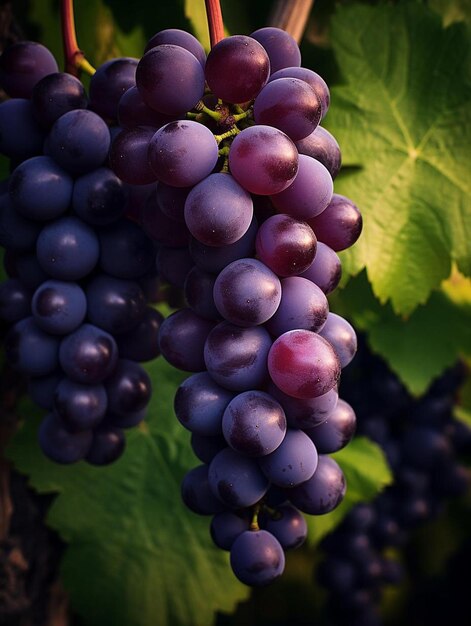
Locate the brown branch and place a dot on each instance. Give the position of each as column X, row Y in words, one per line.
column 215, row 23
column 291, row 16
column 74, row 58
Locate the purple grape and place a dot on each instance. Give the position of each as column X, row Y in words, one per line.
column 323, row 492
column 182, row 153
column 88, row 355
column 290, row 105
column 60, row 445
column 316, row 82
column 22, row 65
column 288, row 526
column 257, row 558
column 198, row 289
column 109, row 83
column 341, row 336
column 237, row 68
column 254, row 424
column 174, row 264
column 178, row 38
column 79, row 141
column 326, row 269
column 236, row 358
column 161, row 228
column 206, row 448
column 171, row 200
column 339, row 225
column 282, row 49
column 336, row 431
column 133, row 112
column 59, row 307
column 303, row 364
column 67, row 249
column 218, row 211
column 197, row 494
column 236, row 480
column 15, row 300
column 21, row 137
column 129, row 156
column 213, row 260
column 142, row 342
column 323, row 146
column 263, row 160
column 30, row 350
column 81, row 407
column 307, row 413
column 107, row 446
column 16, row 232
column 303, row 305
column 160, row 74
column 182, row 338
column 309, row 194
column 99, row 197
column 227, row 526
column 126, row 252
column 200, row 403
column 41, row 389
column 293, row 462
column 128, row 388
column 247, row 292
column 56, row 94
column 287, row 246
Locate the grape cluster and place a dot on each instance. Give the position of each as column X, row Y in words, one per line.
column 81, row 273
column 238, row 178
column 422, row 442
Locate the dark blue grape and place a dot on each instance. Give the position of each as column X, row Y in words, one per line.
column 30, row 350
column 128, row 388
column 99, row 197
column 257, row 558
column 109, row 83
column 293, row 462
column 88, row 355
column 182, row 338
column 126, row 252
column 336, row 431
column 22, row 65
column 81, row 407
column 60, row 445
column 21, row 137
column 288, row 525
column 323, row 492
column 114, row 304
column 107, row 445
column 15, row 300
column 206, row 448
column 59, row 307
column 227, row 526
column 142, row 342
column 56, row 94
column 198, row 289
column 16, row 232
column 196, row 492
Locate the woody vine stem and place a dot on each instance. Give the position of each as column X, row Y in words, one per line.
column 215, row 23
column 74, row 58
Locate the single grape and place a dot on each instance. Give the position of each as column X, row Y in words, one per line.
column 339, row 225
column 125, row 251
column 237, row 68
column 323, row 492
column 182, row 337
column 288, row 525
column 198, row 289
column 133, row 112
column 206, row 448
column 142, row 342
column 263, row 160
column 341, row 336
column 305, row 413
column 316, row 82
column 182, row 153
column 161, row 228
column 67, row 249
column 227, row 526
column 107, row 446
column 81, row 407
column 287, row 246
column 310, row 192
column 56, row 94
column 218, row 211
column 257, row 558
column 114, row 304
column 79, row 141
column 99, row 197
column 15, row 300
column 109, row 83
column 60, row 445
column 326, row 269
column 290, row 105
column 254, row 424
column 30, row 350
column 178, row 38
column 200, row 403
column 236, row 480
column 16, row 232
column 336, row 431
column 281, row 47
column 236, row 358
column 171, row 200
column 303, row 364
column 197, row 494
column 40, row 189
column 293, row 462
column 323, row 146
column 303, row 305
column 59, row 307
column 21, row 136
column 128, row 388
column 173, row 265
column 22, row 65
column 88, row 355
column 129, row 156
column 247, row 292
column 160, row 75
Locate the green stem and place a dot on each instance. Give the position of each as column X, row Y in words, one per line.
column 240, row 116
column 202, row 108
column 224, row 151
column 254, row 523
column 230, row 133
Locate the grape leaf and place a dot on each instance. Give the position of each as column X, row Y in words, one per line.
column 452, row 10
column 404, row 119
column 420, row 347
column 135, row 555
column 367, row 473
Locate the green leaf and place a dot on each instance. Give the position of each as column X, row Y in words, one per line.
column 452, row 10
column 404, row 119
column 195, row 11
column 419, row 348
column 136, row 555
column 366, row 472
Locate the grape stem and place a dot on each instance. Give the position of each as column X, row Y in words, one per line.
column 74, row 58
column 254, row 523
column 215, row 23
column 230, row 133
